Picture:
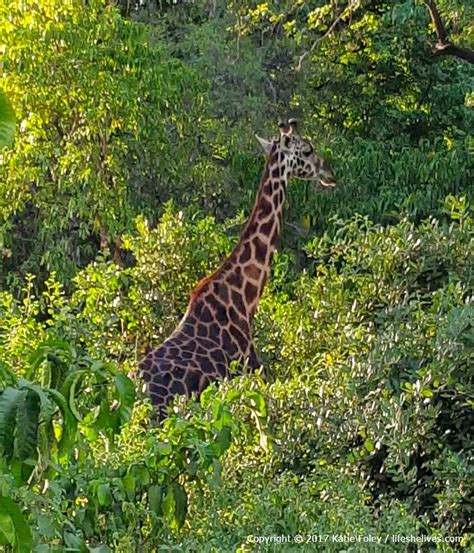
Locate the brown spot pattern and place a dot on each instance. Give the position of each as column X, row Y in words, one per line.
column 216, row 329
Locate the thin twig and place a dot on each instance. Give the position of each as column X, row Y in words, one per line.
column 318, row 40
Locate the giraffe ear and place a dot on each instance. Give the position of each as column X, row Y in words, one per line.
column 265, row 144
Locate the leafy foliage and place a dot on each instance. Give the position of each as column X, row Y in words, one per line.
column 133, row 126
column 78, row 174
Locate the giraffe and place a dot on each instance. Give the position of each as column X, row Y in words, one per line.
column 217, row 326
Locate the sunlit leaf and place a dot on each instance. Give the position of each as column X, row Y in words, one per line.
column 7, row 121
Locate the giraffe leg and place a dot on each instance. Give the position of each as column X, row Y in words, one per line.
column 162, row 413
column 160, row 405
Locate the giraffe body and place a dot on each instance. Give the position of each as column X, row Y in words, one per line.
column 217, row 326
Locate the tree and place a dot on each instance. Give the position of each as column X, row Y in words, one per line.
column 444, row 46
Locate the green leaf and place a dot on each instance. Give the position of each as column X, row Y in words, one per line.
column 7, row 121
column 126, row 392
column 141, row 474
column 7, row 529
column 164, row 448
column 42, row 548
column 216, row 477
column 369, row 445
column 155, row 499
column 46, row 405
column 45, row 526
column 7, row 376
column 23, row 538
column 69, row 427
column 175, row 505
column 258, row 403
column 129, row 484
column 26, row 428
column 106, row 420
column 69, row 390
column 181, row 504
column 224, row 439
column 10, row 398
column 75, row 543
column 104, row 495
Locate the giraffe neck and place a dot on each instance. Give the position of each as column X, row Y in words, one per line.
column 216, row 328
column 248, row 266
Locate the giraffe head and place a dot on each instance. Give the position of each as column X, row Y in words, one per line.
column 301, row 160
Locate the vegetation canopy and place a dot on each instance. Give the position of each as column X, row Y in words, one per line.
column 127, row 166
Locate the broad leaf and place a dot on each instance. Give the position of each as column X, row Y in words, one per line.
column 10, row 398
column 155, row 499
column 69, row 427
column 7, row 121
column 26, row 428
column 23, row 539
column 175, row 505
column 126, row 392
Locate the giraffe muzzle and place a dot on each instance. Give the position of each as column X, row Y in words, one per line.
column 327, row 183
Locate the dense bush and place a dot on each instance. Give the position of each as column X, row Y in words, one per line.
column 368, row 359
column 133, row 163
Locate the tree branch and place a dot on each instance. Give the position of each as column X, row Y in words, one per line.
column 443, row 47
column 456, row 51
column 437, row 22
column 328, row 32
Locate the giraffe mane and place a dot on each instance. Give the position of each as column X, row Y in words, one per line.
column 197, row 290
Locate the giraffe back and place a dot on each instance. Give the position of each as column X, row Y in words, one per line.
column 212, row 334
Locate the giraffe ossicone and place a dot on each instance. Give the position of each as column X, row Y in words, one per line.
column 217, row 326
